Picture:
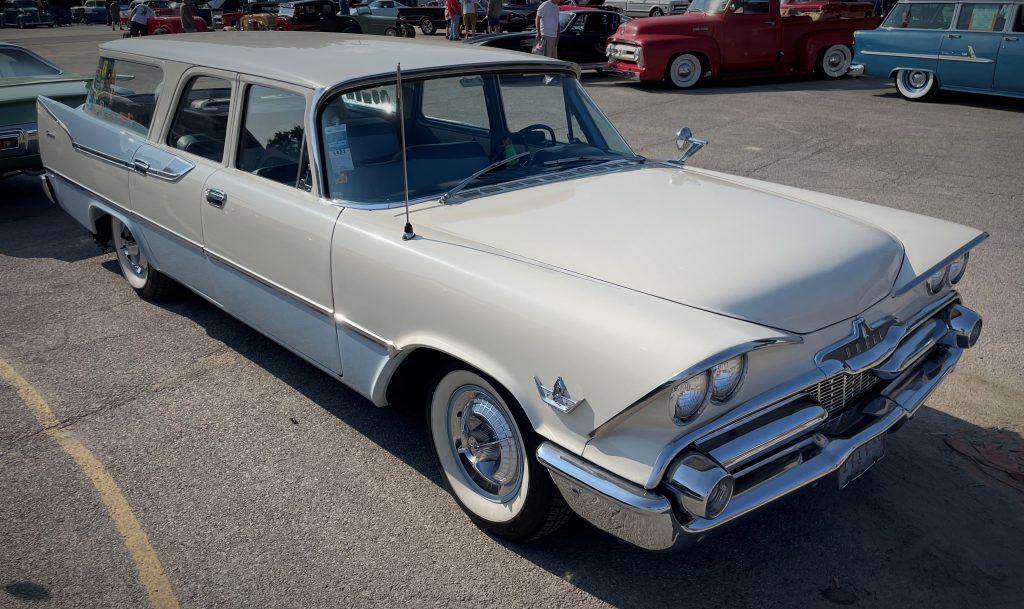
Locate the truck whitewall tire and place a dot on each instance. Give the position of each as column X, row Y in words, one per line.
column 485, row 450
column 835, row 61
column 685, row 71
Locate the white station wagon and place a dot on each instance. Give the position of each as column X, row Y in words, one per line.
column 659, row 348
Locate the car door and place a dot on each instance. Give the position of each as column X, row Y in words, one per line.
column 583, row 41
column 1009, row 73
column 93, row 146
column 172, row 168
column 266, row 233
column 749, row 37
column 967, row 55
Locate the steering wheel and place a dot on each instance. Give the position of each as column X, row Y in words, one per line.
column 537, row 127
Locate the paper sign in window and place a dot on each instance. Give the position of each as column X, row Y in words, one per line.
column 339, row 155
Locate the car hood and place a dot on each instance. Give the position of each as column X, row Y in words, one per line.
column 695, row 239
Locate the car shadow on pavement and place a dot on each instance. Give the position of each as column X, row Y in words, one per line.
column 967, row 100
column 746, row 85
column 32, row 224
column 919, row 529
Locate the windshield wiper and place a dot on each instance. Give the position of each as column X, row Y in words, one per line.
column 463, row 184
column 593, row 158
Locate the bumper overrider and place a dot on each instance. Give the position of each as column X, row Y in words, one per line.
column 793, row 443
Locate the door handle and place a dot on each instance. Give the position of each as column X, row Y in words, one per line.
column 1011, row 39
column 953, row 36
column 216, row 197
column 769, row 23
column 141, row 166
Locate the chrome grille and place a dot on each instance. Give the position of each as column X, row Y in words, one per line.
column 835, row 392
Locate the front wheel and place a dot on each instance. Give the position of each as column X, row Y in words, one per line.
column 685, row 71
column 835, row 61
column 427, row 27
column 147, row 281
column 391, row 31
column 485, row 449
column 657, row 12
column 916, row 85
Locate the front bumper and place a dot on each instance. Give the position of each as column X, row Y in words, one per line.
column 793, row 449
column 19, row 148
column 856, row 69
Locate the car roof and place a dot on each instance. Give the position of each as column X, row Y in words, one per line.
column 315, row 59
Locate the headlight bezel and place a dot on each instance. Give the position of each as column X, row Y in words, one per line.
column 722, row 397
column 674, row 396
column 708, row 396
column 937, row 280
column 953, row 275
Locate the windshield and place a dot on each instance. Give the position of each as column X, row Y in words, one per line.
column 709, row 7
column 564, row 17
column 456, row 126
column 15, row 63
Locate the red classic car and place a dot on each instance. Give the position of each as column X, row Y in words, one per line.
column 165, row 19
column 732, row 39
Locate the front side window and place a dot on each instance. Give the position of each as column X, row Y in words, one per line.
column 272, row 143
column 489, row 118
column 921, row 16
column 200, row 124
column 124, row 93
column 983, row 17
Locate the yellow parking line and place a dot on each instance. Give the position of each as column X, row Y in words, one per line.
column 151, row 573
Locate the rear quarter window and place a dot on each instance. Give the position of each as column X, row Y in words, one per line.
column 921, row 16
column 125, row 93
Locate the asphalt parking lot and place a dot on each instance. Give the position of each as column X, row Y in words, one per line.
column 258, row 482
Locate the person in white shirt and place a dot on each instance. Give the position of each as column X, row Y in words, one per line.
column 469, row 16
column 141, row 15
column 547, row 29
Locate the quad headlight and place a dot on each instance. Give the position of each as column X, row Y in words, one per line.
column 958, row 267
column 937, row 280
column 688, row 397
column 952, row 273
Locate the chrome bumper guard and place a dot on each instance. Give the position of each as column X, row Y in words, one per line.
column 855, row 70
column 769, row 460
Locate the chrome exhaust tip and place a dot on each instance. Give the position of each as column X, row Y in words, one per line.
column 964, row 326
column 701, row 487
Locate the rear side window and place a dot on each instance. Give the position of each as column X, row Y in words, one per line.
column 272, row 144
column 200, row 124
column 125, row 93
column 983, row 17
column 15, row 62
column 921, row 16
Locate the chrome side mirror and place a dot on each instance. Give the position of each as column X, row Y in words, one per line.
column 688, row 145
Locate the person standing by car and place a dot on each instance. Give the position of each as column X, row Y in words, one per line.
column 547, row 29
column 188, row 17
column 112, row 16
column 469, row 16
column 452, row 12
column 139, row 22
column 494, row 16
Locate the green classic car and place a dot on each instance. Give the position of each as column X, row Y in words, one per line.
column 24, row 76
column 23, row 14
column 364, row 20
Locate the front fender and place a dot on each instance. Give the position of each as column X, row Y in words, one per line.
column 659, row 50
column 515, row 320
column 812, row 44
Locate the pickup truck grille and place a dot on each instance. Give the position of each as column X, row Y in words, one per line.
column 623, row 52
column 837, row 391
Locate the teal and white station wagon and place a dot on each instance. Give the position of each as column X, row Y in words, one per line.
column 658, row 348
column 975, row 46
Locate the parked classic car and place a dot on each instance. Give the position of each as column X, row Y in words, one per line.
column 583, row 40
column 361, row 20
column 970, row 46
column 23, row 14
column 659, row 348
column 90, row 11
column 640, row 8
column 312, row 16
column 23, row 77
column 732, row 39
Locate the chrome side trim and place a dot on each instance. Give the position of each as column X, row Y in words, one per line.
column 102, row 156
column 965, row 58
column 700, row 366
column 40, row 104
column 903, row 289
column 313, row 305
column 195, row 245
column 757, row 442
column 907, row 55
column 369, row 335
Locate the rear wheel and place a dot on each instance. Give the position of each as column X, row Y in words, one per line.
column 391, row 31
column 685, row 71
column 835, row 61
column 657, row 12
column 427, row 27
column 916, row 85
column 147, row 281
column 486, row 449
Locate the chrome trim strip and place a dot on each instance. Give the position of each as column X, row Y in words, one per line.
column 369, row 335
column 169, row 232
column 912, row 348
column 894, row 54
column 700, row 366
column 40, row 104
column 102, row 156
column 967, row 59
column 950, row 258
column 757, row 442
column 315, row 306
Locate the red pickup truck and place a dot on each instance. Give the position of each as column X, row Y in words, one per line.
column 732, row 39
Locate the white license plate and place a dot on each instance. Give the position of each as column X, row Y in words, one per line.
column 861, row 460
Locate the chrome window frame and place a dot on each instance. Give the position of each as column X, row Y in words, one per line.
column 141, row 60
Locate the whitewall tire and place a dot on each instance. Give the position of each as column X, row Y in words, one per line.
column 916, row 85
column 147, row 281
column 485, row 450
column 685, row 71
column 835, row 61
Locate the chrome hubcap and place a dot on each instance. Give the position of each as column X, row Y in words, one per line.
column 128, row 250
column 835, row 60
column 685, row 70
column 484, row 441
column 917, row 79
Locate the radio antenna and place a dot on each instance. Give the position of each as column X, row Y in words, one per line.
column 408, row 234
